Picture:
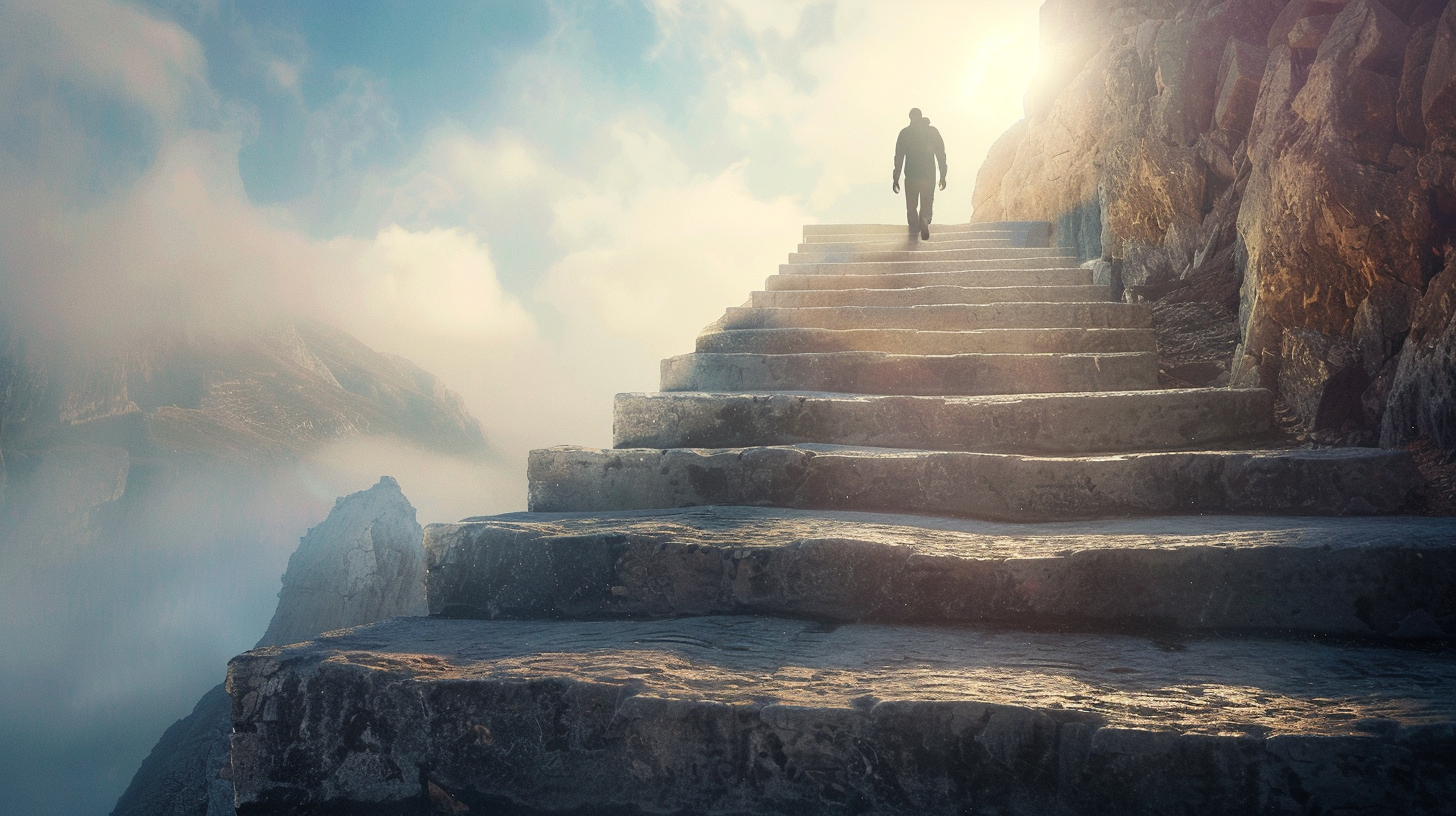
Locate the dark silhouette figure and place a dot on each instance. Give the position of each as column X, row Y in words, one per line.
column 918, row 149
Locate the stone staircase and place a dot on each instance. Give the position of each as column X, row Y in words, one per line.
column 913, row 531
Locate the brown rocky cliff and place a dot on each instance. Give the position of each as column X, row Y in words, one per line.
column 1290, row 167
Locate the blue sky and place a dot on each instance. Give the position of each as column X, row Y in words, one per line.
column 536, row 201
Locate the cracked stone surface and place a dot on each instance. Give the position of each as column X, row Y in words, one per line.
column 743, row 714
column 871, row 372
column 1343, row 481
column 910, row 341
column 946, row 317
column 929, row 295
column 1373, row 577
column 1040, row 423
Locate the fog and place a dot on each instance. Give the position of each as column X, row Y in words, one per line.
column 537, row 218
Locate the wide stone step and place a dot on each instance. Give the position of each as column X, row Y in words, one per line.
column 890, row 229
column 771, row 716
column 1021, row 233
column 931, row 295
column 911, row 341
column 1040, row 261
column 1113, row 421
column 1067, row 276
column 877, row 244
column 1367, row 578
column 996, row 486
column 923, row 254
column 869, row 372
column 945, row 317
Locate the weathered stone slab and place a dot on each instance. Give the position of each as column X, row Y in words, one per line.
column 830, row 244
column 1372, row 577
column 1044, row 260
column 818, row 253
column 997, row 486
column 870, row 372
column 911, row 341
column 946, row 317
column 1110, row 421
column 931, row 295
column 921, row 255
column 899, row 229
column 978, row 277
column 755, row 715
column 1020, row 233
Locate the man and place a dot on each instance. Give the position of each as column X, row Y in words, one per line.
column 918, row 149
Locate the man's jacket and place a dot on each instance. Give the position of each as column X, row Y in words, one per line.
column 917, row 150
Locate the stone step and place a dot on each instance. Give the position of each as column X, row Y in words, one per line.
column 764, row 715
column 869, row 372
column 995, row 486
column 1366, row 577
column 900, row 229
column 930, row 295
column 1022, row 233
column 954, row 317
column 911, row 341
column 1066, row 276
column 1113, row 421
column 904, row 245
column 1042, row 261
column 923, row 254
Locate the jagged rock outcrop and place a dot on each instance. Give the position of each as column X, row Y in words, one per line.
column 1294, row 162
column 364, row 563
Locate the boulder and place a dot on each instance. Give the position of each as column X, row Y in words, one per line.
column 1422, row 398
column 1239, row 77
column 1408, row 113
column 1321, row 378
column 1295, row 11
column 1382, row 321
column 1438, row 90
column 1309, row 32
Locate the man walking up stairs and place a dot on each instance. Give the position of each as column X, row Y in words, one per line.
column 913, row 531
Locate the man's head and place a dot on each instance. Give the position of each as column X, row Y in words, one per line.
column 915, row 115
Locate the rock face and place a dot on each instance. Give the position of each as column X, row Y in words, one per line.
column 362, row 564
column 1293, row 162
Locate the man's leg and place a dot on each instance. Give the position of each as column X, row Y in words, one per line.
column 925, row 192
column 912, row 208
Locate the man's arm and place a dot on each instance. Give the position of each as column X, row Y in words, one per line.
column 939, row 144
column 899, row 161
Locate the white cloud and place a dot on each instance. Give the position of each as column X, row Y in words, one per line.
column 107, row 45
column 440, row 282
column 658, row 266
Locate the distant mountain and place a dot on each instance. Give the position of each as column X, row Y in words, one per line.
column 260, row 397
column 147, row 489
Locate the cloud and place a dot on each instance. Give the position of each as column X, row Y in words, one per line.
column 114, row 47
column 658, row 265
column 441, row 282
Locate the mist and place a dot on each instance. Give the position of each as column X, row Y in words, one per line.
column 535, row 205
